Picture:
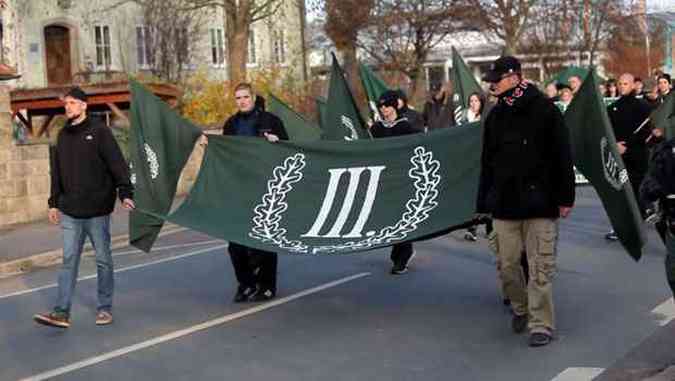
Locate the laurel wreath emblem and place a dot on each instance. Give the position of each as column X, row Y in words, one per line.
column 153, row 164
column 268, row 214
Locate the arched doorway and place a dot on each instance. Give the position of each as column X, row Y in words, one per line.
column 57, row 55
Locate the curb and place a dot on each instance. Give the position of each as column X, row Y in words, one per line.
column 53, row 257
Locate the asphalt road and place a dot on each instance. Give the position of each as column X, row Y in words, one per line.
column 338, row 317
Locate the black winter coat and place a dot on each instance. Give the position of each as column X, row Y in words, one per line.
column 265, row 122
column 526, row 161
column 626, row 115
column 88, row 170
column 382, row 129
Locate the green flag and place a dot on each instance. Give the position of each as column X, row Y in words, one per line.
column 596, row 156
column 374, row 87
column 463, row 81
column 297, row 127
column 343, row 119
column 663, row 116
column 321, row 110
column 160, row 143
column 320, row 197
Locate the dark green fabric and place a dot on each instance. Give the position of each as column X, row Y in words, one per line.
column 664, row 116
column 321, row 110
column 463, row 81
column 268, row 196
column 297, row 127
column 596, row 156
column 343, row 119
column 564, row 75
column 160, row 143
column 374, row 87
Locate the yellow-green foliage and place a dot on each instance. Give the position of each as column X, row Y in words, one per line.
column 210, row 102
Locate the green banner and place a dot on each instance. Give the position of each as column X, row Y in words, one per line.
column 160, row 143
column 316, row 197
column 596, row 156
column 374, row 87
column 321, row 110
column 343, row 119
column 297, row 127
column 463, row 81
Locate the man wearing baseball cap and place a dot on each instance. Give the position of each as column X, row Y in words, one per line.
column 88, row 172
column 526, row 184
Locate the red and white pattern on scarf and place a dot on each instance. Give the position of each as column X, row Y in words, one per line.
column 517, row 93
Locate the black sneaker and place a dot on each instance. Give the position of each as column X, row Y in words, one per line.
column 261, row 295
column 470, row 236
column 243, row 293
column 539, row 339
column 519, row 323
column 398, row 269
column 53, row 319
column 611, row 236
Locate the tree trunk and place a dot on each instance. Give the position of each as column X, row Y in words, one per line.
column 237, row 29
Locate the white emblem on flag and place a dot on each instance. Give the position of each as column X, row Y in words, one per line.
column 616, row 176
column 269, row 213
column 349, row 125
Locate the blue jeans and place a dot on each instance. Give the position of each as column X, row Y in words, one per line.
column 75, row 231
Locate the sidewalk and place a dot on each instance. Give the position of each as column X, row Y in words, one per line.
column 39, row 244
column 651, row 360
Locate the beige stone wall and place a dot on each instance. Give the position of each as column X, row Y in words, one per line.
column 24, row 183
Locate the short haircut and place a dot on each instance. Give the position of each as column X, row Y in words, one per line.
column 664, row 76
column 244, row 86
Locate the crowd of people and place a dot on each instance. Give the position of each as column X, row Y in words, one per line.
column 527, row 183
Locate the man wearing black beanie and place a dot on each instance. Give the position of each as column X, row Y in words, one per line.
column 88, row 171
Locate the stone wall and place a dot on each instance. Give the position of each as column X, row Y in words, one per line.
column 24, row 174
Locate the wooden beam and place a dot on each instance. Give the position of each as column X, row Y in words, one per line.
column 119, row 113
column 25, row 122
column 45, row 126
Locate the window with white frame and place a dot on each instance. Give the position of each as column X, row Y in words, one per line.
column 143, row 47
column 279, row 47
column 102, row 40
column 251, row 47
column 217, row 47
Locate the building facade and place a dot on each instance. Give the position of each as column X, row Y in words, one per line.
column 55, row 42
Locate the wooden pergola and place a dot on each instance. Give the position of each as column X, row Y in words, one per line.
column 47, row 102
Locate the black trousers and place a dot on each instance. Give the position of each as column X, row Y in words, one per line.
column 401, row 252
column 254, row 267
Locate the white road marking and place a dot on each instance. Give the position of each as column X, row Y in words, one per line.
column 160, row 248
column 187, row 255
column 188, row 331
column 665, row 312
column 578, row 374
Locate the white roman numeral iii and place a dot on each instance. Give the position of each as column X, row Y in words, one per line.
column 347, row 203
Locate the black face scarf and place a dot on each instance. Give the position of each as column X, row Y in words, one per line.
column 519, row 95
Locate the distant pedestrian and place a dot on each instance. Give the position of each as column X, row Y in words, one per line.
column 88, row 171
column 526, row 184
column 439, row 110
column 391, row 125
column 630, row 121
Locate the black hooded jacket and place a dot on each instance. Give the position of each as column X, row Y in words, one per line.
column 261, row 120
column 526, row 165
column 88, row 170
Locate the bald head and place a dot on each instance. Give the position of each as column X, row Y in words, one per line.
column 626, row 84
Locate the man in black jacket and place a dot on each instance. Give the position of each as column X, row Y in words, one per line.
column 526, row 184
column 630, row 121
column 88, row 171
column 659, row 186
column 256, row 270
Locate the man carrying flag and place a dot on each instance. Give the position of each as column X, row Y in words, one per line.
column 526, row 184
column 393, row 124
column 256, row 270
column 630, row 121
